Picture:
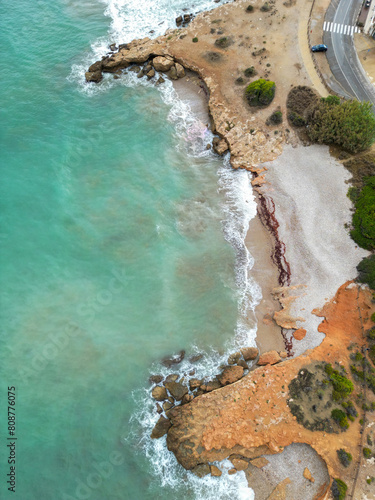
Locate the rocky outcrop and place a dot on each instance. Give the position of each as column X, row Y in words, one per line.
column 252, row 418
column 161, row 428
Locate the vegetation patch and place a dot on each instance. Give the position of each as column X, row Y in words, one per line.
column 266, row 7
column 366, row 452
column 300, row 99
column 195, row 39
column 344, row 457
column 250, row 8
column 361, row 167
column 349, row 124
column 366, row 271
column 250, row 72
column 275, row 119
column 363, row 232
column 223, row 42
column 260, row 92
column 339, row 489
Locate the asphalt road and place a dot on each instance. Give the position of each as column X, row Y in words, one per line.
column 342, row 56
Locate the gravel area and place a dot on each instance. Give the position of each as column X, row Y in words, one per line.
column 310, row 194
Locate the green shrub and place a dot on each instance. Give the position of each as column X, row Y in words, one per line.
column 363, row 232
column 250, row 71
column 366, row 452
column 338, row 489
column 350, row 409
column 240, row 81
column 265, row 7
column 331, row 99
column 373, row 317
column 366, row 270
column 371, row 333
column 340, row 417
column 350, row 124
column 342, row 386
column 195, row 39
column 344, row 457
column 296, row 120
column 353, row 194
column 223, row 42
column 276, row 118
column 260, row 92
column 249, row 8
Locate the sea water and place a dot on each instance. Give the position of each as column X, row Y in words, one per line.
column 121, row 243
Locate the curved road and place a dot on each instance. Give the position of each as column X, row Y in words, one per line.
column 342, row 56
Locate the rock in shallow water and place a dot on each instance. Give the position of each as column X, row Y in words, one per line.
column 159, row 393
column 161, row 428
column 249, row 353
column 177, row 390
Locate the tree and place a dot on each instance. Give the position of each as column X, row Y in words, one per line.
column 350, row 124
column 260, row 92
column 366, row 270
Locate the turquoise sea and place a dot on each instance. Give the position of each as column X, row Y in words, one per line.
column 121, row 243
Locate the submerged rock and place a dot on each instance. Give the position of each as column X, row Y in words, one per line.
column 94, row 76
column 230, row 375
column 171, row 378
column 234, row 358
column 155, row 379
column 161, row 427
column 175, row 360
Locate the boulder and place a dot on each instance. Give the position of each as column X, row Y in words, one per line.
column 187, row 18
column 135, row 69
column 150, row 74
column 160, row 80
column 155, row 379
column 201, row 470
column 219, row 145
column 215, row 471
column 283, row 354
column 239, row 463
column 249, row 353
column 172, row 73
column 177, row 390
column 179, row 20
column 232, row 471
column 234, row 358
column 167, row 405
column 269, row 358
column 180, row 70
column 159, row 409
column 299, row 334
column 194, row 383
column 159, row 393
column 171, row 378
column 141, row 74
column 212, row 385
column 259, row 462
column 94, row 76
column 161, row 427
column 113, row 63
column 230, row 375
column 112, row 47
column 162, row 64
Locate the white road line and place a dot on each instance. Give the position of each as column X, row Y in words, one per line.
column 351, row 32
column 324, row 25
column 346, row 29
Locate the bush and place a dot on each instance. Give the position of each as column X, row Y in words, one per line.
column 363, row 232
column 350, row 124
column 340, row 417
column 250, row 71
column 371, row 334
column 265, row 7
column 300, row 99
column 373, row 317
column 342, row 386
column 344, row 457
column 366, row 270
column 276, row 118
column 260, row 92
column 223, row 42
column 195, row 39
column 338, row 489
column 249, row 8
column 350, row 409
column 240, row 81
column 366, row 452
column 331, row 99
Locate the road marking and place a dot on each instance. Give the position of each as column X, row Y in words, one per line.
column 342, row 29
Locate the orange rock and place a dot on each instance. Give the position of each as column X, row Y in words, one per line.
column 249, row 353
column 299, row 334
column 232, row 471
column 239, row 463
column 269, row 358
column 307, row 475
column 230, row 375
column 215, row 471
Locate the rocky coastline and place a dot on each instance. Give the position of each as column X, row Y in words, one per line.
column 247, row 410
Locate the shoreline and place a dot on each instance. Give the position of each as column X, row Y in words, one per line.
column 306, row 259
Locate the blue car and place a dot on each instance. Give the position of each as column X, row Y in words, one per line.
column 319, row 48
